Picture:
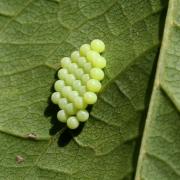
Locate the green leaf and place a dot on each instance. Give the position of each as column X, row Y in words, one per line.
column 160, row 150
column 35, row 35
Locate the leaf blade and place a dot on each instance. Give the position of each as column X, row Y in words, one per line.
column 31, row 46
column 162, row 124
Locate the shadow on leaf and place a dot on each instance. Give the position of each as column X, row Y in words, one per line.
column 67, row 135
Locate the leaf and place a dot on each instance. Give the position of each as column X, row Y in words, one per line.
column 34, row 36
column 160, row 150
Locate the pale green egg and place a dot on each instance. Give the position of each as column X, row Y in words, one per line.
column 74, row 56
column 81, row 62
column 76, row 84
column 62, row 103
column 70, row 109
column 90, row 97
column 65, row 62
column 55, row 97
column 84, row 49
column 97, row 45
column 62, row 73
column 87, row 67
column 71, row 68
column 93, row 85
column 85, row 79
column 97, row 73
column 59, row 84
column 66, row 90
column 62, row 116
column 79, row 102
column 82, row 115
column 72, row 122
column 100, row 62
column 70, row 78
column 78, row 73
column 92, row 56
column 72, row 96
column 82, row 90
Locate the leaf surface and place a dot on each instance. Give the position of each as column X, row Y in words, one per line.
column 34, row 36
column 160, row 150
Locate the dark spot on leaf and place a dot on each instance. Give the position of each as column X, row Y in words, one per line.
column 19, row 159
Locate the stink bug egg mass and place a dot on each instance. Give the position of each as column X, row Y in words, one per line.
column 79, row 83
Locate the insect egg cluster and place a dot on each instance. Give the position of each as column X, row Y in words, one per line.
column 79, row 83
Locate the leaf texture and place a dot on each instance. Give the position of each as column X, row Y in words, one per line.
column 160, row 150
column 34, row 36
